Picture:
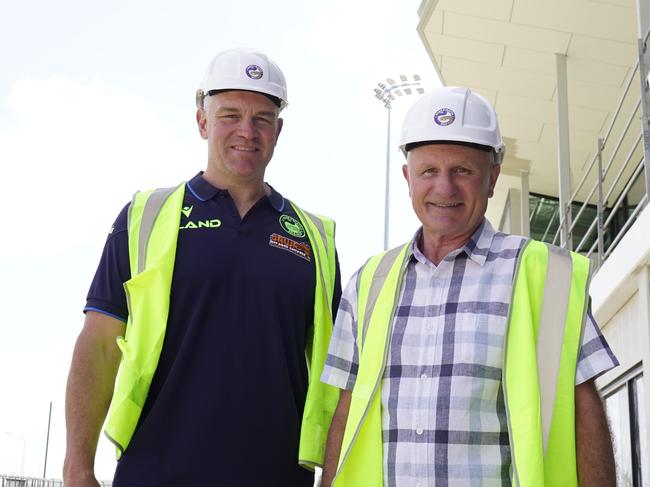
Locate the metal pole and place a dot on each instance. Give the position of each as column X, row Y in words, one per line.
column 47, row 439
column 645, row 102
column 22, row 458
column 564, row 154
column 387, row 195
column 525, row 204
column 601, row 204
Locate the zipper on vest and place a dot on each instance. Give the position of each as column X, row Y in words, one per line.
column 398, row 292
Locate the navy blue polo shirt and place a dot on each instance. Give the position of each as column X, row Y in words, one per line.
column 226, row 402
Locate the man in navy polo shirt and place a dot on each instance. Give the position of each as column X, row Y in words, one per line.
column 253, row 286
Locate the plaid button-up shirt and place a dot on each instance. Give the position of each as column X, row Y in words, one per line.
column 443, row 410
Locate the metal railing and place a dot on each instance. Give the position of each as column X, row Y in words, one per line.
column 20, row 481
column 612, row 190
column 15, row 481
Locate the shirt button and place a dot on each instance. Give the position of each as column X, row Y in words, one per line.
column 423, row 376
column 419, row 431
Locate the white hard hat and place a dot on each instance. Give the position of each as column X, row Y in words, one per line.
column 243, row 69
column 455, row 115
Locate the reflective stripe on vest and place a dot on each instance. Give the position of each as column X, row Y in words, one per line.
column 152, row 249
column 547, row 311
column 361, row 458
column 153, row 225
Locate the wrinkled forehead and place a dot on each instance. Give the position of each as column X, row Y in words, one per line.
column 449, row 151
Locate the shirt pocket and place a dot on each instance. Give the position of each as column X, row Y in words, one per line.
column 479, row 338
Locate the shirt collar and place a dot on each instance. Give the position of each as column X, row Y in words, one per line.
column 476, row 248
column 204, row 191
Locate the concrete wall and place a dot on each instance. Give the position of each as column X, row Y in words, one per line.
column 621, row 303
column 622, row 332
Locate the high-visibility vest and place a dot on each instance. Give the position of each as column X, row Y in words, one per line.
column 542, row 341
column 153, row 225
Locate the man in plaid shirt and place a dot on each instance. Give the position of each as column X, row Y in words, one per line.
column 443, row 412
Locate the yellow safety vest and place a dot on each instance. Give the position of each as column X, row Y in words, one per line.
column 542, row 342
column 153, row 225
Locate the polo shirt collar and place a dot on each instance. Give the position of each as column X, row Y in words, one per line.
column 476, row 248
column 276, row 200
column 204, row 191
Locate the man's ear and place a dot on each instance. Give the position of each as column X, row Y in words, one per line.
column 495, row 170
column 279, row 129
column 201, row 122
column 405, row 173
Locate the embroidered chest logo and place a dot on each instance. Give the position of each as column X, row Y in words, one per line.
column 300, row 249
column 214, row 223
column 292, row 226
column 189, row 224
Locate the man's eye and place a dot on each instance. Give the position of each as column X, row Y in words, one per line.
column 462, row 170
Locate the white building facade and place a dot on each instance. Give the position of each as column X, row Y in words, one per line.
column 569, row 81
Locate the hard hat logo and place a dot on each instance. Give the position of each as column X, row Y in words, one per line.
column 253, row 71
column 458, row 115
column 444, row 117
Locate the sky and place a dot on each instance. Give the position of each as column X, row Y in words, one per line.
column 97, row 101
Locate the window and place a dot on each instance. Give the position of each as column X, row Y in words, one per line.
column 545, row 219
column 545, row 216
column 624, row 404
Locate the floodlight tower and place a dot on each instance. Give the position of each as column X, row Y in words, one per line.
column 385, row 92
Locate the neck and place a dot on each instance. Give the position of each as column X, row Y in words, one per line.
column 436, row 247
column 243, row 193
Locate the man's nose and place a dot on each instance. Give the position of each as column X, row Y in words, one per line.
column 446, row 184
column 246, row 128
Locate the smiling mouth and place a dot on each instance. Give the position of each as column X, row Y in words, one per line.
column 243, row 148
column 446, row 205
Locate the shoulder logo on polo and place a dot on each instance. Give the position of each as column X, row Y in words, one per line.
column 213, row 223
column 292, row 226
column 300, row 249
column 187, row 211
